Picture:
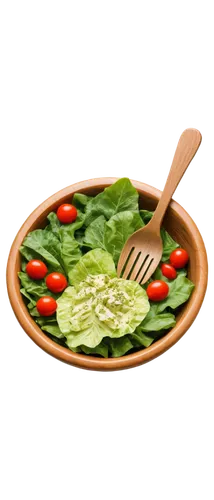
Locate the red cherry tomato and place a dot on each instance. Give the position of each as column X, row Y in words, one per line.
column 46, row 306
column 56, row 282
column 157, row 290
column 36, row 269
column 66, row 213
column 168, row 271
column 179, row 258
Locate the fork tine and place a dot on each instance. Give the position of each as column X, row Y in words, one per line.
column 135, row 255
column 147, row 270
column 123, row 258
column 138, row 267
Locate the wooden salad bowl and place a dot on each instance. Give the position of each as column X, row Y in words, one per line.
column 180, row 226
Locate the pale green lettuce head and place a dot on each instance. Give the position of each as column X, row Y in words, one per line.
column 100, row 306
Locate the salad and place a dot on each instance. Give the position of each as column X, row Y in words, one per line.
column 69, row 281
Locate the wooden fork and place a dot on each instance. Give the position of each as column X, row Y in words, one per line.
column 143, row 250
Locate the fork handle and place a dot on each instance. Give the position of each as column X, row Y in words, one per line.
column 188, row 144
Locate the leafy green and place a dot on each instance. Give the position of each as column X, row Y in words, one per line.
column 43, row 320
column 54, row 224
column 70, row 247
column 53, row 329
column 118, row 197
column 101, row 349
column 71, row 252
column 74, row 349
column 118, row 229
column 24, row 292
column 33, row 311
column 46, row 244
column 100, row 307
column 119, row 347
column 168, row 243
column 93, row 262
column 36, row 288
column 152, row 327
column 80, row 201
column 113, row 234
column 29, row 254
column 60, row 341
column 146, row 215
column 139, row 338
column 49, row 324
column 56, row 244
column 180, row 290
column 79, row 237
column 155, row 321
column 23, row 264
column 95, row 233
column 159, row 276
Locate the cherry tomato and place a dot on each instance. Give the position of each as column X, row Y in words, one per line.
column 179, row 258
column 56, row 282
column 168, row 271
column 157, row 290
column 36, row 269
column 46, row 306
column 66, row 213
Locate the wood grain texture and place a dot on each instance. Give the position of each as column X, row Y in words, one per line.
column 180, row 226
column 187, row 147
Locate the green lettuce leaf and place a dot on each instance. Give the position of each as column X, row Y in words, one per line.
column 118, row 197
column 33, row 312
column 53, row 329
column 34, row 288
column 168, row 243
column 93, row 262
column 23, row 264
column 54, row 224
column 100, row 307
column 146, row 216
column 95, row 233
column 43, row 320
column 140, row 339
column 46, row 244
column 70, row 247
column 56, row 245
column 29, row 254
column 75, row 349
column 49, row 324
column 24, row 292
column 112, row 235
column 180, row 290
column 119, row 347
column 80, row 201
column 101, row 349
column 155, row 321
column 79, row 236
column 159, row 276
column 118, row 229
column 71, row 252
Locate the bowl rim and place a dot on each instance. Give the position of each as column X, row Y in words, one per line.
column 82, row 360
